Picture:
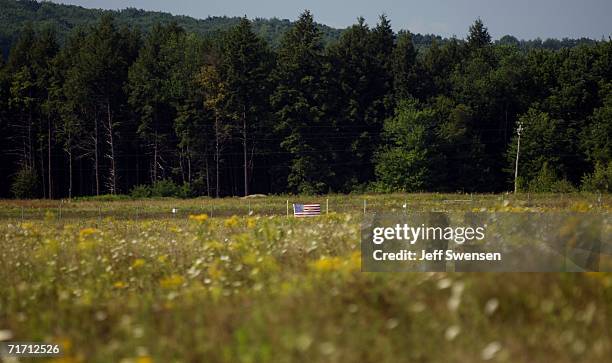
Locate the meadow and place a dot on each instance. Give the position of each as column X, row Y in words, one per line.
column 236, row 280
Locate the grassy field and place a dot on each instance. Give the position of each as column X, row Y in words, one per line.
column 235, row 280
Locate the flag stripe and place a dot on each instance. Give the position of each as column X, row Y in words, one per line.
column 306, row 210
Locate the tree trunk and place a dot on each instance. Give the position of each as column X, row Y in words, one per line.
column 30, row 156
column 97, row 166
column 217, row 156
column 181, row 165
column 155, row 158
column 70, row 173
column 207, row 177
column 42, row 168
column 49, row 157
column 188, row 165
column 244, row 150
column 111, row 144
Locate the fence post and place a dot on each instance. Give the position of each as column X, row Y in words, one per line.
column 599, row 199
column 60, row 209
column 364, row 206
column 327, row 206
column 287, row 208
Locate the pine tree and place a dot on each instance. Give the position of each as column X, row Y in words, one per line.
column 245, row 69
column 478, row 36
column 215, row 94
column 150, row 96
column 403, row 64
column 299, row 102
column 96, row 82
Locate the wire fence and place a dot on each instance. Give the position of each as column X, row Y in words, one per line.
column 283, row 206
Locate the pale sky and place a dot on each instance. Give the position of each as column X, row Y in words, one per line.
column 525, row 19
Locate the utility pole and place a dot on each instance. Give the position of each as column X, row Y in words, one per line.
column 518, row 149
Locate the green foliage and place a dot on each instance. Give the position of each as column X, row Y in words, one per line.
column 231, row 113
column 406, row 164
column 547, row 181
column 361, row 98
column 161, row 189
column 600, row 180
column 298, row 101
column 175, row 278
column 403, row 65
column 478, row 36
column 105, row 198
column 140, row 191
column 165, row 188
column 596, row 136
column 68, row 17
column 25, row 184
column 542, row 142
column 246, row 65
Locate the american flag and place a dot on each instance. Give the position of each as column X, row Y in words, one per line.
column 306, row 210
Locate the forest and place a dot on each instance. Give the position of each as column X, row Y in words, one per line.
column 65, row 18
column 112, row 109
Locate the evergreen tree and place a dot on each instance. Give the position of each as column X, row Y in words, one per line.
column 403, row 65
column 299, row 101
column 29, row 68
column 246, row 66
column 96, row 82
column 149, row 95
column 362, row 86
column 226, row 115
column 214, row 98
column 187, row 55
column 478, row 36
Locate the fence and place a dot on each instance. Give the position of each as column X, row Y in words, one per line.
column 279, row 205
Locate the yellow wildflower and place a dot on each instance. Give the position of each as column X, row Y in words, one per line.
column 354, row 261
column 139, row 262
column 326, row 264
column 350, row 263
column 199, row 217
column 66, row 343
column 249, row 259
column 214, row 245
column 214, row 271
column 232, row 222
column 87, row 232
column 119, row 285
column 171, row 282
column 580, row 207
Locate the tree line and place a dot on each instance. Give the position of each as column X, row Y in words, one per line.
column 65, row 18
column 114, row 110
